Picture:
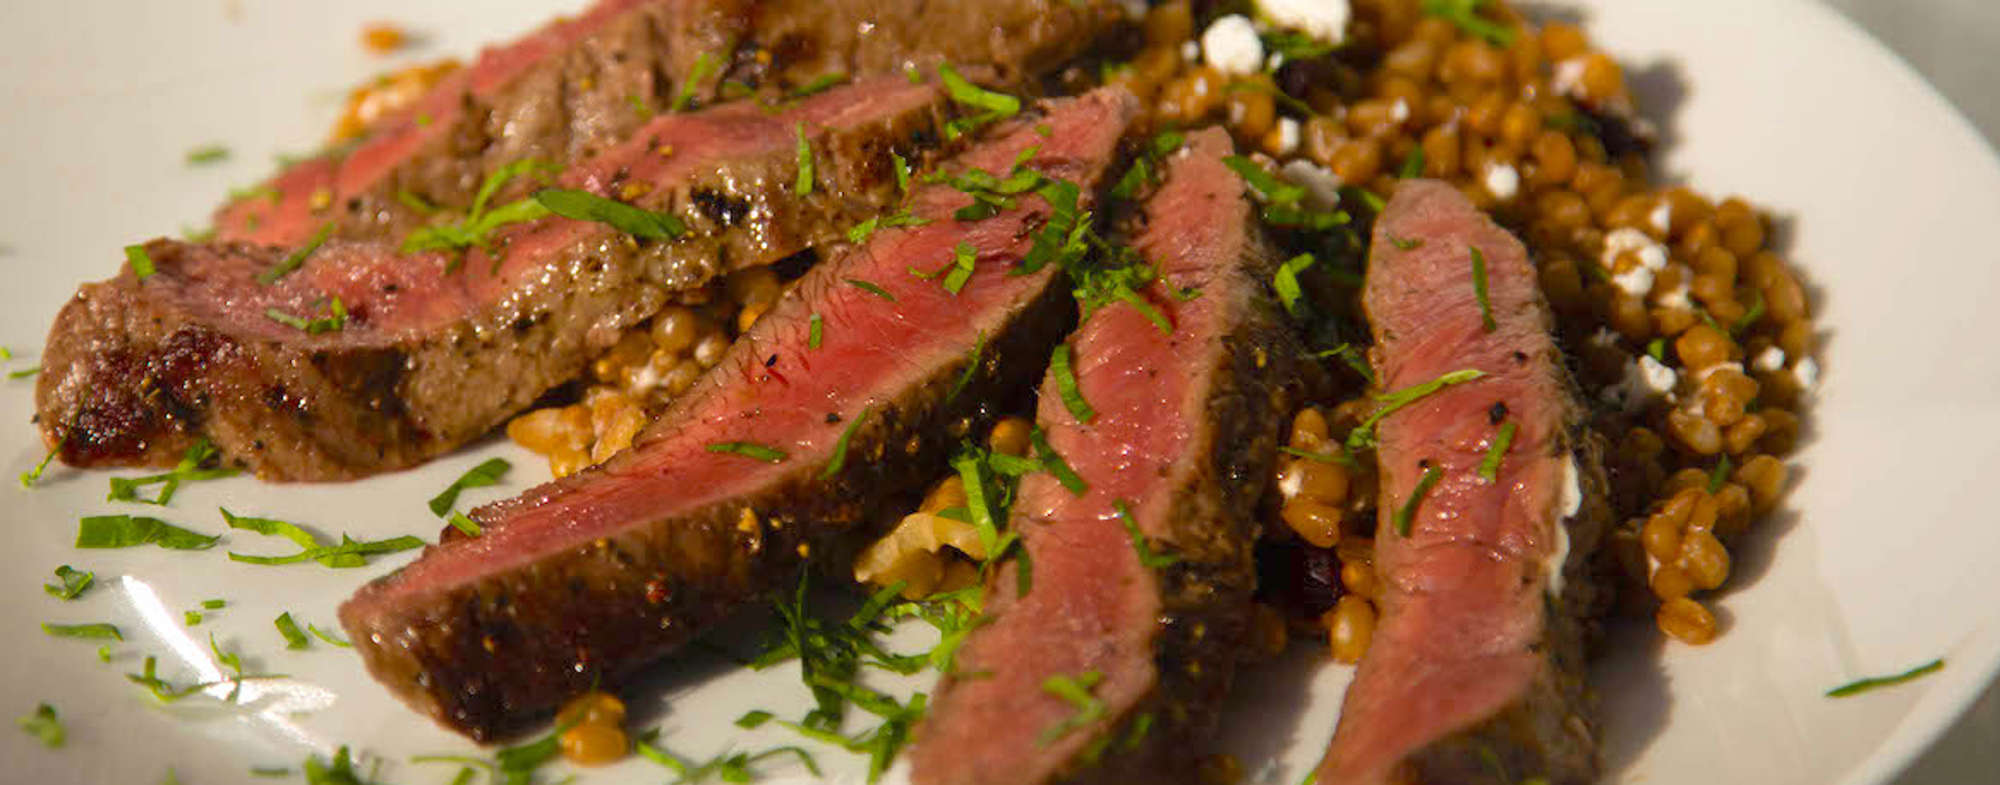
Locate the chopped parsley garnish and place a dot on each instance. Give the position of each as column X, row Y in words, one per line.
column 1657, row 349
column 1413, row 164
column 751, row 450
column 348, row 554
column 294, row 639
column 270, row 772
column 339, row 771
column 71, row 583
column 1284, row 202
column 43, row 725
column 1076, row 692
column 1363, row 435
column 1147, row 557
column 1337, row 455
column 1286, row 281
column 753, row 719
column 1146, row 168
column 1293, row 45
column 727, row 766
column 481, row 476
column 1065, row 376
column 1269, row 187
column 991, row 106
column 330, row 638
column 416, row 203
column 32, row 476
column 190, row 618
column 870, row 288
column 1490, row 467
column 23, row 374
column 963, row 257
column 1479, row 290
column 1863, row 685
column 214, row 605
column 333, row 322
column 1464, row 14
column 1354, row 358
column 464, row 523
column 140, row 261
column 815, row 331
column 297, row 258
column 1098, row 285
column 207, row 154
column 1406, row 243
column 819, row 84
column 902, row 172
column 1750, row 317
column 804, row 186
column 840, row 447
column 1406, row 514
column 639, row 106
column 97, row 631
column 586, row 206
column 190, row 469
column 126, row 531
column 1055, row 465
column 704, row 64
column 1719, row 476
column 971, row 367
column 480, row 223
column 860, row 232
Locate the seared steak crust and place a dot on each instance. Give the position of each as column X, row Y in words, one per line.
column 1476, row 672
column 590, row 578
column 439, row 349
column 576, row 88
column 1186, row 435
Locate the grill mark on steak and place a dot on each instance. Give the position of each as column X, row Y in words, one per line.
column 589, row 578
column 1476, row 673
column 1187, row 430
column 430, row 359
column 565, row 93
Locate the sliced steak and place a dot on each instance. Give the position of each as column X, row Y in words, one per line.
column 587, row 579
column 1476, row 672
column 576, row 87
column 1186, row 432
column 437, row 350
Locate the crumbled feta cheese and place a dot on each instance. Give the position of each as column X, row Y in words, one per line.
column 1288, row 135
column 1325, row 20
column 1677, row 297
column 1645, row 379
column 1772, row 360
column 1658, row 379
column 1568, row 78
column 1604, row 338
column 1322, row 185
column 1502, row 181
column 1806, row 372
column 1190, row 51
column 1636, row 281
column 1651, row 258
column 1400, row 112
column 1275, row 61
column 1231, row 45
column 1662, row 216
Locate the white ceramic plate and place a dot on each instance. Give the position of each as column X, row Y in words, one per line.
column 1882, row 559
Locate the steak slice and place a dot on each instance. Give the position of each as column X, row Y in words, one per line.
column 591, row 577
column 1476, row 672
column 1187, row 428
column 574, row 88
column 436, row 351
